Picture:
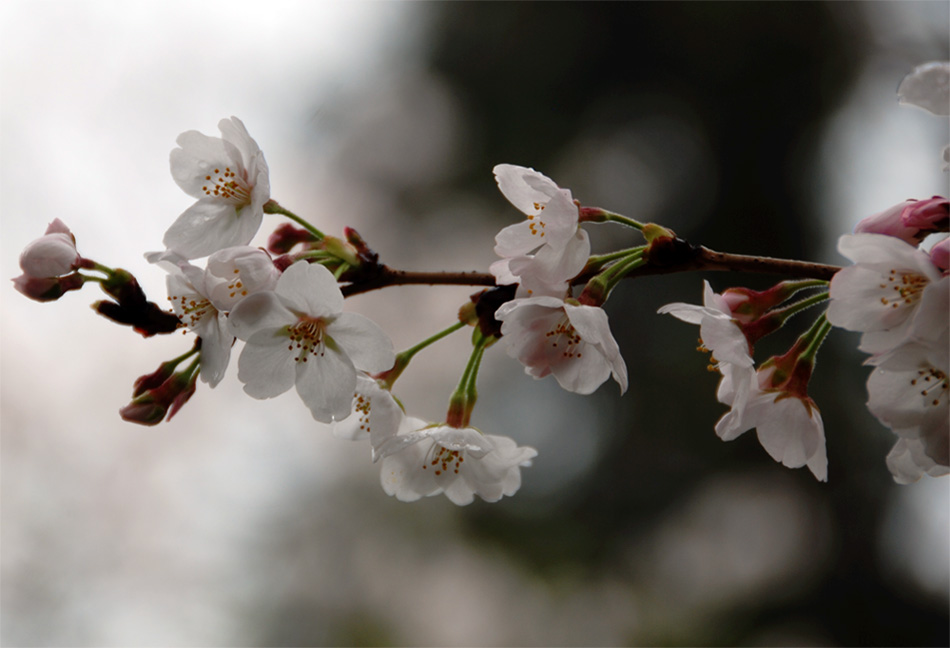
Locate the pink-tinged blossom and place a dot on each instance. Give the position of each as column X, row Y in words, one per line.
column 52, row 255
column 229, row 177
column 571, row 341
column 909, row 392
column 892, row 293
column 940, row 254
column 202, row 298
column 910, row 221
column 930, row 215
column 298, row 335
column 927, row 87
column 787, row 423
column 424, row 460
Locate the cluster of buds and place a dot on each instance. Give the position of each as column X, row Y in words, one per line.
column 544, row 304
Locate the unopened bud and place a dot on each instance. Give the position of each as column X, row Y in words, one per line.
column 49, row 288
column 154, row 405
column 285, row 237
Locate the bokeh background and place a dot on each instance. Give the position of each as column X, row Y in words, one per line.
column 765, row 128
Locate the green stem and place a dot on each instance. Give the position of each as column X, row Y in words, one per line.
column 389, row 378
column 817, row 334
column 463, row 398
column 623, row 220
column 272, row 207
column 793, row 309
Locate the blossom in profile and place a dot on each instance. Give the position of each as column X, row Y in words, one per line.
column 552, row 215
column 375, row 417
column 47, row 263
column 52, row 255
column 910, row 221
column 298, row 335
column 570, row 341
column 229, row 178
column 424, row 460
column 787, row 422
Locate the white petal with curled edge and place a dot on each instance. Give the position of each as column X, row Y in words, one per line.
column 927, row 87
column 311, row 289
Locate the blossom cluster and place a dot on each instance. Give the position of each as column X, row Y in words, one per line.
column 545, row 305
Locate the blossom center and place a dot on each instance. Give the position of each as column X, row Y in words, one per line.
column 565, row 338
column 537, row 228
column 935, row 385
column 902, row 289
column 361, row 407
column 191, row 309
column 237, row 286
column 228, row 186
column 442, row 460
column 307, row 337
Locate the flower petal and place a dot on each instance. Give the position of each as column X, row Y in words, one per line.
column 369, row 348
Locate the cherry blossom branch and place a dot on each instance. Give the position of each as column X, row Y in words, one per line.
column 677, row 256
column 385, row 276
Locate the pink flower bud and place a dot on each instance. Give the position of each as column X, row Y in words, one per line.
column 931, row 215
column 51, row 255
column 47, row 288
column 151, row 407
column 940, row 254
column 285, row 237
column 889, row 222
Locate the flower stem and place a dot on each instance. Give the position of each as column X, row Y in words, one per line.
column 462, row 401
column 793, row 309
column 272, row 207
column 816, row 336
column 623, row 220
column 389, row 378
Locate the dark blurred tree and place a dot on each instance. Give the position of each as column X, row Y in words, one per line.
column 761, row 77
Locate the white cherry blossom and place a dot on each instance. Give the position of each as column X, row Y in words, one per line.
column 788, row 425
column 721, row 335
column 909, row 392
column 52, row 255
column 229, row 177
column 202, row 299
column 893, row 293
column 376, row 414
column 548, row 271
column 571, row 341
column 552, row 215
column 298, row 335
column 908, row 462
column 424, row 460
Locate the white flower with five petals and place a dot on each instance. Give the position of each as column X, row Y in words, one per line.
column 893, row 293
column 229, row 177
column 202, row 299
column 424, row 460
column 297, row 335
column 571, row 341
